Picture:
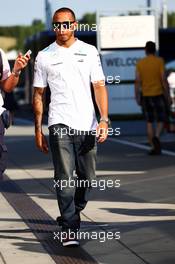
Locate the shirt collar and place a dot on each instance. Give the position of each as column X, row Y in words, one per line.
column 56, row 45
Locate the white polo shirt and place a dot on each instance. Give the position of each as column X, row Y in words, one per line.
column 6, row 73
column 69, row 73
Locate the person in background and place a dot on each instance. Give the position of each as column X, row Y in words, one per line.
column 151, row 91
column 8, row 81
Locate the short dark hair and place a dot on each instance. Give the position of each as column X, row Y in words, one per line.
column 150, row 47
column 65, row 9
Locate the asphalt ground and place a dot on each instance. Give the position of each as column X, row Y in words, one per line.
column 142, row 209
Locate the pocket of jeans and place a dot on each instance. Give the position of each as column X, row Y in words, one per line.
column 58, row 132
column 89, row 143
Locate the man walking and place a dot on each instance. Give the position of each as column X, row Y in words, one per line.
column 69, row 66
column 154, row 94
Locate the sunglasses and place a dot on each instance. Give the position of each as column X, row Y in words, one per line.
column 64, row 25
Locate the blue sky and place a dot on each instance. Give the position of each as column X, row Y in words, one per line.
column 22, row 12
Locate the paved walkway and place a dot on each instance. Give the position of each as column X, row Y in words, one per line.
column 142, row 209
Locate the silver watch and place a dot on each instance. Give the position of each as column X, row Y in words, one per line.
column 103, row 119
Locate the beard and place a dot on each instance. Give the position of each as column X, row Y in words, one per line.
column 64, row 37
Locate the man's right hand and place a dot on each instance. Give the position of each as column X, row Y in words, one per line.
column 21, row 62
column 41, row 142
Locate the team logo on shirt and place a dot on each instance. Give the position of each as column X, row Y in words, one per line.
column 57, row 63
column 80, row 54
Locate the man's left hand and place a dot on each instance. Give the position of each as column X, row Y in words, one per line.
column 102, row 131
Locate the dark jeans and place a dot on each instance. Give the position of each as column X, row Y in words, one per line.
column 72, row 151
column 3, row 150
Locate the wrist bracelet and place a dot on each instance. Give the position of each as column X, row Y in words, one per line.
column 103, row 119
column 16, row 73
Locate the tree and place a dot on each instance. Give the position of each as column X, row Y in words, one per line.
column 22, row 32
column 88, row 18
column 171, row 19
